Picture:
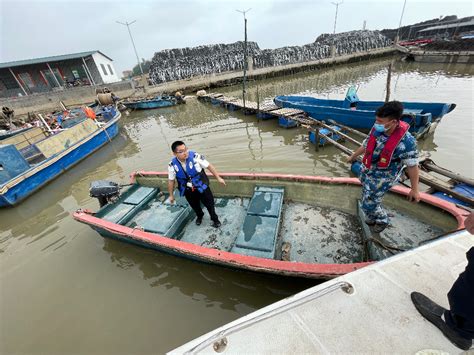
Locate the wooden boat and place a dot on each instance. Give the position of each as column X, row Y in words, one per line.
column 31, row 159
column 147, row 104
column 422, row 116
column 303, row 226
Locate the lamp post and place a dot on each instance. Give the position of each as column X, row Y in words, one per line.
column 133, row 43
column 400, row 23
column 243, row 12
column 335, row 17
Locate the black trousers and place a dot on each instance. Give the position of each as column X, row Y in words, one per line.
column 461, row 300
column 195, row 198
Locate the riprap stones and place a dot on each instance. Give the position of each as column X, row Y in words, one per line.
column 183, row 63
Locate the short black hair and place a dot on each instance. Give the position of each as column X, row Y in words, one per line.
column 175, row 145
column 391, row 109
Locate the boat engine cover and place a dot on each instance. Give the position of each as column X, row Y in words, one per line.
column 104, row 188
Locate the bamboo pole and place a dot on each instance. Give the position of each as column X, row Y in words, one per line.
column 430, row 165
column 44, row 123
column 352, row 130
column 350, row 139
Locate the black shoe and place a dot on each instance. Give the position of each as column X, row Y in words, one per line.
column 379, row 227
column 198, row 221
column 432, row 312
column 369, row 222
column 216, row 224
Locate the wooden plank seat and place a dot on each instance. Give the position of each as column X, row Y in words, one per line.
column 258, row 236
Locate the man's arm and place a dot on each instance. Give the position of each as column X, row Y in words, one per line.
column 216, row 174
column 414, row 175
column 354, row 155
column 171, row 190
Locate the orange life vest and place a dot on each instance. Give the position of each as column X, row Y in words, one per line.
column 89, row 112
column 387, row 151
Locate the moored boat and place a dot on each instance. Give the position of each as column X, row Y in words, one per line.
column 153, row 103
column 31, row 159
column 291, row 225
column 352, row 112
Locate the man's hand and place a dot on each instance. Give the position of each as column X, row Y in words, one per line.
column 171, row 200
column 413, row 196
column 221, row 181
column 350, row 159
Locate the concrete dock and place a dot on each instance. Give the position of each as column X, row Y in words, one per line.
column 366, row 311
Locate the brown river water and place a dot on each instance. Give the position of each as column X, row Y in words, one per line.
column 66, row 290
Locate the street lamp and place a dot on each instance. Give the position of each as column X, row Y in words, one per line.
column 243, row 12
column 400, row 23
column 335, row 18
column 133, row 43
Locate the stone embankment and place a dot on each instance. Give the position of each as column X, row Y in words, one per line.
column 182, row 63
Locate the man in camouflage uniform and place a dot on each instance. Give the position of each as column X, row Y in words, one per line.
column 381, row 168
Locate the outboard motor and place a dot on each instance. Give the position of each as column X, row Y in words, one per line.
column 105, row 191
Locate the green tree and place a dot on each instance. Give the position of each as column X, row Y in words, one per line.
column 145, row 66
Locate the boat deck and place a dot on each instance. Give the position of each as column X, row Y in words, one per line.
column 269, row 226
column 366, row 311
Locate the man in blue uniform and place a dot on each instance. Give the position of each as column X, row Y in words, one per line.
column 188, row 168
column 386, row 150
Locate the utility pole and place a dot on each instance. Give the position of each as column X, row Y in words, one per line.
column 243, row 12
column 335, row 17
column 133, row 43
column 400, row 23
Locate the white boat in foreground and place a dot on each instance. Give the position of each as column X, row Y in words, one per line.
column 366, row 311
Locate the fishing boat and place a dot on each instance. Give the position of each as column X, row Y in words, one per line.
column 301, row 226
column 31, row 159
column 148, row 104
column 422, row 116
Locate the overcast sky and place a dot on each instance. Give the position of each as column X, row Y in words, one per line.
column 40, row 28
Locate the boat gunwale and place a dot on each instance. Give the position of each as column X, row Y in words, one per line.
column 289, row 268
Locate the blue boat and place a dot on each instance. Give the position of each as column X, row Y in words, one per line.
column 361, row 114
column 156, row 102
column 30, row 162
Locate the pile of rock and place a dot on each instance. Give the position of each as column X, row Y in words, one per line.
column 182, row 63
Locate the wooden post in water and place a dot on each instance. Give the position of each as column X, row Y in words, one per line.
column 258, row 100
column 316, row 139
column 389, row 78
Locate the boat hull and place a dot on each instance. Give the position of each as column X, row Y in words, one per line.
column 149, row 104
column 237, row 184
column 420, row 115
column 22, row 186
